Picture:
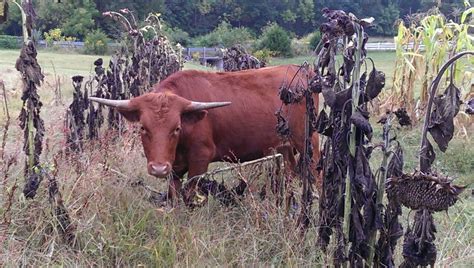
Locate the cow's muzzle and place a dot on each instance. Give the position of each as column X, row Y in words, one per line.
column 159, row 170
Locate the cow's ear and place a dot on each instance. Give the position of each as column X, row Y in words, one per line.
column 131, row 114
column 193, row 117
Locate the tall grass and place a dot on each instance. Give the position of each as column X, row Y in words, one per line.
column 117, row 226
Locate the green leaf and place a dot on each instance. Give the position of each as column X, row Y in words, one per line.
column 466, row 13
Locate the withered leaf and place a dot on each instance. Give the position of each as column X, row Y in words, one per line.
column 389, row 235
column 418, row 245
column 362, row 123
column 395, row 166
column 366, row 22
column 77, row 78
column 290, row 95
column 98, row 62
column 347, row 67
column 446, row 107
column 315, row 84
column 27, row 64
column 402, row 116
column 427, row 156
column 32, row 183
column 375, row 83
column 282, row 128
column 357, row 230
column 470, row 107
column 323, row 125
column 382, row 120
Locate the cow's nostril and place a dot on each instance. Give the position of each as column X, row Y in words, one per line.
column 159, row 170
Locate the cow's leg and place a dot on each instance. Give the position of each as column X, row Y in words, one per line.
column 174, row 189
column 288, row 155
column 197, row 166
column 180, row 167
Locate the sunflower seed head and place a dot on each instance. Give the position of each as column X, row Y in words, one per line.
column 423, row 191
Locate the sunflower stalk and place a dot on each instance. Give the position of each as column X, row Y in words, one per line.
column 30, row 120
column 30, row 139
column 381, row 178
column 352, row 142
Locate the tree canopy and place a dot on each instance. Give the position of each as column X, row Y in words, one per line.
column 78, row 17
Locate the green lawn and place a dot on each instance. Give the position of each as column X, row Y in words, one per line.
column 384, row 61
column 67, row 64
column 64, row 63
column 72, row 64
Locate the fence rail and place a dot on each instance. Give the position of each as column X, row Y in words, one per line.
column 214, row 52
column 383, row 46
column 210, row 52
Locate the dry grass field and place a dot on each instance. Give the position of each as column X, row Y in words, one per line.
column 115, row 224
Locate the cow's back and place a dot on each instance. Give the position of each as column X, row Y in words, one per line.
column 246, row 128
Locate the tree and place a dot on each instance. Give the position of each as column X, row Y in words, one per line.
column 13, row 24
column 386, row 20
column 275, row 39
column 197, row 18
column 74, row 18
column 81, row 19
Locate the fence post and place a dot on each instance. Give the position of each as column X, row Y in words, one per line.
column 204, row 56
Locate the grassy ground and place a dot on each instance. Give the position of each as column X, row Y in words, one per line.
column 117, row 226
column 384, row 61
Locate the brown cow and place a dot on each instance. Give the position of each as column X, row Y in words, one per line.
column 182, row 133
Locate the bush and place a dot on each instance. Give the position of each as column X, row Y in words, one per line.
column 96, row 43
column 314, row 40
column 299, row 47
column 177, row 35
column 264, row 55
column 56, row 35
column 224, row 35
column 275, row 39
column 53, row 35
column 10, row 42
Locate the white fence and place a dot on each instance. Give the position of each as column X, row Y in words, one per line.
column 383, row 46
column 213, row 52
column 207, row 52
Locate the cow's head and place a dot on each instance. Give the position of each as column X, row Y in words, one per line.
column 161, row 116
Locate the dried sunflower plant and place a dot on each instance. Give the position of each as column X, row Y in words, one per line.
column 236, row 58
column 344, row 164
column 32, row 124
column 144, row 58
column 427, row 191
column 347, row 207
column 365, row 231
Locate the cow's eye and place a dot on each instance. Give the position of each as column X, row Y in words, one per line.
column 143, row 130
column 177, row 130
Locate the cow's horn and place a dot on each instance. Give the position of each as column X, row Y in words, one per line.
column 196, row 106
column 112, row 103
